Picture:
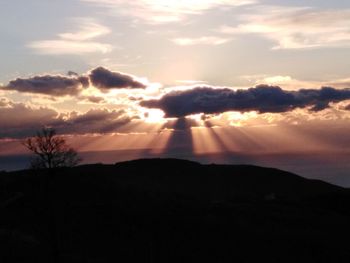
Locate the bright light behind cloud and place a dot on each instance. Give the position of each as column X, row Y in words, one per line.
column 153, row 116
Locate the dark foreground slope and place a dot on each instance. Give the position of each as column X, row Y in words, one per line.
column 171, row 211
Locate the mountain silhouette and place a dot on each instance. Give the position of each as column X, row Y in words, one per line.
column 169, row 210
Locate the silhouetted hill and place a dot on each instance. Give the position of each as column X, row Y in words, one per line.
column 168, row 210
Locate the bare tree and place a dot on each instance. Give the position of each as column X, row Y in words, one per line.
column 51, row 150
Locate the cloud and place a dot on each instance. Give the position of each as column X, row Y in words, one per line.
column 340, row 83
column 19, row 120
column 165, row 11
column 64, row 47
column 4, row 102
column 94, row 121
column 290, row 83
column 74, row 84
column 282, row 25
column 75, row 43
column 105, row 79
column 25, row 120
column 209, row 40
column 286, row 82
column 88, row 29
column 53, row 85
column 93, row 99
column 180, row 124
column 262, row 99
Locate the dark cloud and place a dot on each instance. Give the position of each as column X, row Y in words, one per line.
column 19, row 120
column 72, row 73
column 105, row 79
column 94, row 121
column 49, row 85
column 26, row 120
column 73, row 83
column 262, row 99
column 84, row 81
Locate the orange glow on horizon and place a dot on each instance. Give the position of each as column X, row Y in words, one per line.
column 161, row 138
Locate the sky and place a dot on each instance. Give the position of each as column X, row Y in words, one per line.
column 266, row 78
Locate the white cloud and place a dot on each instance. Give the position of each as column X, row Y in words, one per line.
column 60, row 47
column 296, row 27
column 165, row 11
column 88, row 29
column 288, row 82
column 74, row 43
column 209, row 40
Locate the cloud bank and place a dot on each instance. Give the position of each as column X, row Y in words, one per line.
column 73, row 84
column 19, row 120
column 263, row 99
column 49, row 85
column 104, row 79
column 25, row 120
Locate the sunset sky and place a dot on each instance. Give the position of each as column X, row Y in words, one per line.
column 190, row 78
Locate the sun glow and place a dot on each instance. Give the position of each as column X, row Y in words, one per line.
column 197, row 117
column 154, row 116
